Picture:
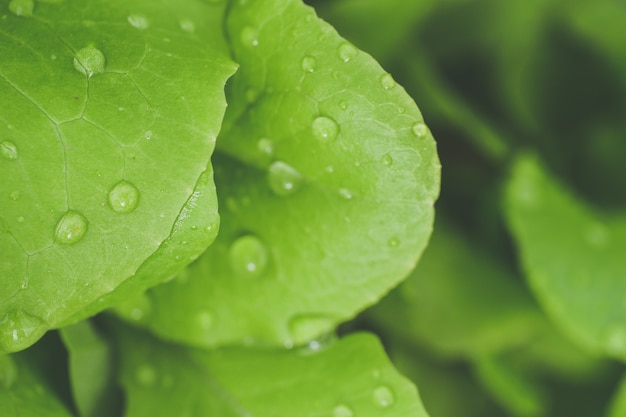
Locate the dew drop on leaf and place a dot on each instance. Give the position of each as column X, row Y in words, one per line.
column 387, row 81
column 71, row 228
column 145, row 375
column 394, row 242
column 19, row 330
column 324, row 129
column 15, row 195
column 138, row 21
column 248, row 256
column 187, row 25
column 265, row 147
column 346, row 52
column 308, row 64
column 387, row 160
column 203, row 321
column 20, row 219
column 306, row 327
column 8, row 150
column 8, row 371
column 89, row 61
column 420, row 130
column 123, row 197
column 284, row 179
column 383, row 396
column 22, row 7
column 342, row 411
column 250, row 36
column 345, row 193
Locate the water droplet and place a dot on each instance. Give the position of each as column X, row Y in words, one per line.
column 284, row 179
column 138, row 21
column 15, row 195
column 22, row 7
column 306, row 327
column 19, row 330
column 145, row 375
column 8, row 150
column 324, row 129
column 345, row 193
column 342, row 411
column 71, row 228
column 187, row 25
column 343, row 105
column 250, row 36
column 420, row 130
column 123, row 197
column 330, row 169
column 394, row 242
column 309, row 64
column 346, row 52
column 204, row 321
column 266, row 147
column 383, row 396
column 20, row 219
column 148, row 134
column 248, row 256
column 387, row 81
column 387, row 160
column 89, row 61
column 24, row 283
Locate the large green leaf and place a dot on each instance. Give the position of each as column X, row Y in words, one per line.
column 350, row 377
column 572, row 257
column 326, row 177
column 108, row 118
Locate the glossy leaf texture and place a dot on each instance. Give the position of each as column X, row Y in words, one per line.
column 108, row 117
column 321, row 155
column 572, row 255
column 349, row 377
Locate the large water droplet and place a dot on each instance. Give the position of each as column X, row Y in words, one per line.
column 8, row 150
column 420, row 130
column 324, row 129
column 89, row 61
column 22, row 7
column 306, row 327
column 383, row 396
column 138, row 21
column 71, row 228
column 387, row 160
column 309, row 64
column 346, row 51
column 387, row 81
column 145, row 375
column 19, row 330
column 123, row 197
column 342, row 411
column 250, row 36
column 248, row 256
column 284, row 179
column 8, row 371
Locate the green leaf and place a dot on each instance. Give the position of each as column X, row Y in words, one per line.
column 350, row 377
column 572, row 257
column 617, row 407
column 327, row 178
column 91, row 369
column 109, row 114
column 459, row 301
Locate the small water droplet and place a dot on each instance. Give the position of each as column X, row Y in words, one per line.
column 330, row 169
column 324, row 129
column 342, row 411
column 284, row 179
column 8, row 150
column 343, row 105
column 306, row 327
column 420, row 130
column 24, row 283
column 145, row 375
column 71, row 228
column 15, row 195
column 138, row 21
column 148, row 134
column 250, row 36
column 383, row 396
column 248, row 256
column 309, row 64
column 266, row 147
column 346, row 51
column 22, row 7
column 19, row 330
column 187, row 25
column 387, row 160
column 394, row 242
column 345, row 193
column 387, row 81
column 89, row 61
column 204, row 321
column 20, row 219
column 123, row 197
